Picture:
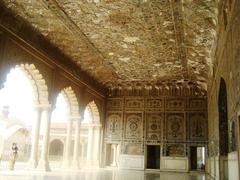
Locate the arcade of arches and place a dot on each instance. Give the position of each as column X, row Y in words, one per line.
column 137, row 85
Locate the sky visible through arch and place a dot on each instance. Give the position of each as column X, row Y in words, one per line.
column 18, row 95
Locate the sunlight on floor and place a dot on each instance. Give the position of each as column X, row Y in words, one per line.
column 93, row 174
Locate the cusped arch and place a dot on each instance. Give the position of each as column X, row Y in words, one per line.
column 72, row 101
column 40, row 90
column 92, row 107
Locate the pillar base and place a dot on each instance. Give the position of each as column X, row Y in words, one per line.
column 75, row 165
column 43, row 165
column 32, row 164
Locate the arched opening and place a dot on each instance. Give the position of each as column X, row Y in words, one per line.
column 223, row 119
column 61, row 110
column 66, row 109
column 23, row 90
column 223, row 129
column 56, row 150
column 91, row 113
column 92, row 124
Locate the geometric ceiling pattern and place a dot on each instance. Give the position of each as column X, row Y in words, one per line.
column 118, row 41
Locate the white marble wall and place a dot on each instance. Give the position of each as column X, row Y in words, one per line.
column 233, row 173
column 177, row 164
column 131, row 162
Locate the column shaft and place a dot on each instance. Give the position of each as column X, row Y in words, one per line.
column 90, row 146
column 75, row 163
column 35, row 139
column 68, row 146
column 96, row 152
column 44, row 163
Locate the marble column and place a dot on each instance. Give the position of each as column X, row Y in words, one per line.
column 75, row 161
column 96, row 150
column 90, row 145
column 33, row 160
column 46, row 118
column 82, row 152
column 68, row 145
column 114, row 151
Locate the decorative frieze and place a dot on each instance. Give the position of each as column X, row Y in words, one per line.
column 175, row 104
column 154, row 103
column 115, row 104
column 197, row 103
column 134, row 104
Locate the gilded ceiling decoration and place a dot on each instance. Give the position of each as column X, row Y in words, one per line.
column 128, row 40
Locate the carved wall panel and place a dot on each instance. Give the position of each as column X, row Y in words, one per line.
column 197, row 103
column 197, row 126
column 114, row 126
column 115, row 104
column 174, row 121
column 134, row 104
column 154, row 103
column 175, row 150
column 133, row 149
column 153, row 126
column 175, row 104
column 175, row 126
column 133, row 126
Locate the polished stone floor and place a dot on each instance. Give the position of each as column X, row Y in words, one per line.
column 97, row 174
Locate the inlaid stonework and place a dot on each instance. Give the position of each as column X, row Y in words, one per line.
column 197, row 126
column 115, row 104
column 175, row 126
column 197, row 103
column 175, row 150
column 175, row 103
column 111, row 39
column 153, row 126
column 133, row 126
column 154, row 103
column 134, row 104
column 114, row 125
column 174, row 122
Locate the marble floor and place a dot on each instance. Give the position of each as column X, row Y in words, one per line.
column 96, row 174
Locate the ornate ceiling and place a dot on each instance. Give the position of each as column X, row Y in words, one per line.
column 118, row 41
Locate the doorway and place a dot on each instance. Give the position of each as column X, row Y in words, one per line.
column 198, row 159
column 153, row 157
column 223, row 130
